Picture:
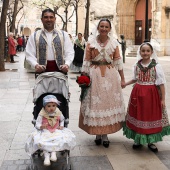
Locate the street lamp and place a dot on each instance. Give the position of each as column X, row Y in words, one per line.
column 146, row 23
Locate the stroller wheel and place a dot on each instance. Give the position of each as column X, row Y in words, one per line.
column 69, row 167
column 66, row 168
column 37, row 153
column 32, row 167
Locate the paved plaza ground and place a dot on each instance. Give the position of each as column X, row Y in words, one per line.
column 15, row 121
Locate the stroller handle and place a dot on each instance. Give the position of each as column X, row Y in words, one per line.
column 37, row 73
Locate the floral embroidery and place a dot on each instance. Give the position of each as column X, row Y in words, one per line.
column 144, row 124
column 106, row 85
column 96, row 99
column 117, row 96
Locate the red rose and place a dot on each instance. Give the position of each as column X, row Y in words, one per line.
column 83, row 80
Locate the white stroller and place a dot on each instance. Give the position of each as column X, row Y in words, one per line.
column 55, row 83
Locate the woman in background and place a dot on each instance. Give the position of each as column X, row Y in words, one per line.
column 79, row 46
column 11, row 47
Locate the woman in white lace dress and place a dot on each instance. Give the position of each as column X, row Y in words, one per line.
column 102, row 110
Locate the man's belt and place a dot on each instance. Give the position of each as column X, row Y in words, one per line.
column 99, row 63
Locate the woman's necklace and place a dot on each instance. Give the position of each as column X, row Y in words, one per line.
column 102, row 44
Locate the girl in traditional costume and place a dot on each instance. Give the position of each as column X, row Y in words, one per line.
column 147, row 120
column 50, row 134
column 102, row 110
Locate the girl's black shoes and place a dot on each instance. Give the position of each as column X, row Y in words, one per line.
column 136, row 146
column 152, row 147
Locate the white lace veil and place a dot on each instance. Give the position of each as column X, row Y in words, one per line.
column 153, row 56
column 94, row 33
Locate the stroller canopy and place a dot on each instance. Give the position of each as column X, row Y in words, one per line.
column 51, row 82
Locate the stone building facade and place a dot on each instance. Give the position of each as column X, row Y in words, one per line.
column 159, row 27
column 128, row 18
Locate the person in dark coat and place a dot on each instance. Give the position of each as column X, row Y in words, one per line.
column 23, row 43
column 79, row 46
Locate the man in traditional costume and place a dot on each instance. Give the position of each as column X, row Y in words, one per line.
column 49, row 49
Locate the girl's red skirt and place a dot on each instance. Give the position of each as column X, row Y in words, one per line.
column 144, row 110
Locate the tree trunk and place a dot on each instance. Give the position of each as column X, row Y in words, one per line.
column 76, row 10
column 2, row 33
column 86, row 30
column 66, row 12
column 12, row 29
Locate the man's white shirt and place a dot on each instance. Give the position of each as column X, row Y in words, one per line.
column 31, row 49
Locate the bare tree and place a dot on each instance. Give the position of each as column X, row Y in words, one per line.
column 86, row 30
column 66, row 4
column 14, row 15
column 2, row 33
column 18, row 23
column 57, row 5
column 12, row 28
column 76, row 4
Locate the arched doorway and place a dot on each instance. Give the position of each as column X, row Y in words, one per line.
column 26, row 31
column 140, row 21
column 128, row 12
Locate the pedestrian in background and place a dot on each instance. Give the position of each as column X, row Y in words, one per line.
column 102, row 111
column 79, row 46
column 26, row 40
column 20, row 42
column 11, row 47
column 123, row 46
column 147, row 120
column 23, row 43
column 15, row 40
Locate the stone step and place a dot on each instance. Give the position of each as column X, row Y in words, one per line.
column 131, row 56
column 132, row 50
column 132, row 53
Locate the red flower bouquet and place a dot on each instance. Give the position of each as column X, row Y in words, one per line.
column 84, row 82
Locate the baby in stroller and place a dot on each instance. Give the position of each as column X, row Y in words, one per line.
column 50, row 135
